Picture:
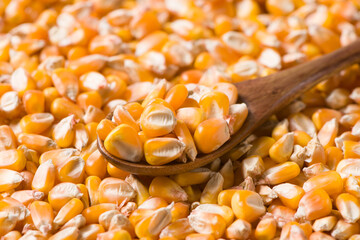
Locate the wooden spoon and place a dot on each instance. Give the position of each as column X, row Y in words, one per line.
column 263, row 97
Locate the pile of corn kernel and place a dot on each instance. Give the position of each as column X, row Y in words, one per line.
column 65, row 65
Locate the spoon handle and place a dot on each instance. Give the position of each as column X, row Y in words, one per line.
column 269, row 94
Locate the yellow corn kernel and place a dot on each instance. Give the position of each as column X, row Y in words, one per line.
column 37, row 142
column 323, row 115
column 44, row 178
column 157, row 92
column 349, row 207
column 121, row 115
column 42, row 216
column 196, row 176
column 152, row 225
column 116, row 172
column 192, row 117
column 70, row 233
column 215, row 104
column 123, row 142
column 36, row 122
column 247, row 205
column 261, row 146
column 193, row 192
column 282, row 149
column 289, row 194
column 211, row 134
column 62, row 193
column 348, row 167
column 265, row 229
column 224, row 211
column 301, row 138
column 183, row 134
column 90, row 231
column 314, row 204
column 281, row 173
column 324, row 224
column 167, row 189
column 8, row 139
column 207, row 223
column 280, row 129
column 12, row 159
column 96, row 165
column 113, row 190
column 115, row 234
column 225, row 196
column 64, row 132
column 92, row 213
column 344, row 230
column 178, row 229
column 85, row 194
column 13, row 235
column 159, row 151
column 104, row 127
column 68, row 211
column 330, row 181
column 62, row 107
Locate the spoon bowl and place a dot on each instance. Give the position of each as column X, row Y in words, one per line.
column 263, row 97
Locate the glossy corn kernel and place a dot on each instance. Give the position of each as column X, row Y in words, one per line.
column 207, row 223
column 37, row 142
column 12, row 160
column 211, row 134
column 247, row 205
column 62, row 193
column 44, row 178
column 120, row 140
column 167, row 189
column 192, row 117
column 348, row 206
column 265, row 229
column 314, row 204
column 289, row 194
column 42, row 216
column 281, row 173
column 68, row 211
column 329, row 181
column 124, row 192
column 159, row 151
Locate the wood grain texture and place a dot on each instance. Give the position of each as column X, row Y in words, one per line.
column 264, row 97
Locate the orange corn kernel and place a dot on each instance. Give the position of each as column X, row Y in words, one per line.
column 104, row 127
column 328, row 133
column 81, row 138
column 85, row 195
column 70, row 233
column 323, row 115
column 289, row 194
column 329, row 181
column 115, row 234
column 314, row 204
column 120, row 139
column 8, row 139
column 167, row 189
column 157, row 120
column 240, row 203
column 85, row 99
column 95, row 165
column 349, row 207
column 92, row 184
column 135, row 109
column 348, row 167
column 93, row 62
column 36, row 122
column 159, row 151
column 178, row 229
column 215, row 104
column 44, row 178
column 34, row 101
column 281, row 173
column 92, row 213
column 192, row 117
column 93, row 115
column 211, row 134
column 122, row 116
column 62, row 193
column 176, row 96
column 282, row 149
column 207, row 223
column 237, row 116
column 10, row 105
column 9, row 179
column 265, row 229
column 116, row 172
column 62, row 107
column 68, row 211
column 12, row 159
column 105, row 44
column 37, row 142
column 42, row 215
